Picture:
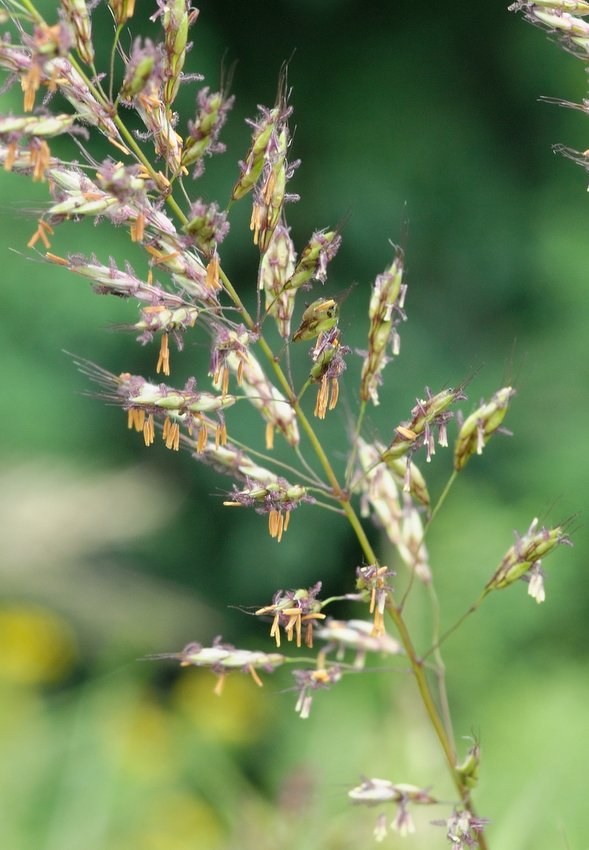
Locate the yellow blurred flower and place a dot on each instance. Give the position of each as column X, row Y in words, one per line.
column 37, row 646
column 238, row 716
column 136, row 733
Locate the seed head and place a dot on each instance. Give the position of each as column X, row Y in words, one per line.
column 312, row 264
column 203, row 132
column 319, row 317
column 231, row 352
column 276, row 499
column 523, row 559
column 463, row 829
column 428, row 415
column 292, row 608
column 468, row 769
column 372, row 581
column 222, row 658
column 144, row 74
column 328, row 366
column 207, row 226
column 77, row 14
column 385, row 312
column 59, row 74
column 357, row 635
column 480, row 426
column 308, row 681
column 374, row 792
column 266, row 148
column 561, row 17
column 276, row 267
column 176, row 18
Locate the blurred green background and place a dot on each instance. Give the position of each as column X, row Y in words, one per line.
column 418, row 113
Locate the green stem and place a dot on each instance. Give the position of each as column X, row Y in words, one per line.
column 354, row 452
column 440, row 667
column 441, row 500
column 474, row 607
column 113, row 54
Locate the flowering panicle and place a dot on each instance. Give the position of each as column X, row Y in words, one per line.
column 222, row 658
column 203, row 132
column 277, row 499
column 372, row 581
column 480, row 426
column 182, row 282
column 309, row 681
column 231, row 352
column 276, row 267
column 291, row 609
column 374, row 792
column 357, row 635
column 523, row 559
column 328, row 366
column 428, row 415
column 385, row 312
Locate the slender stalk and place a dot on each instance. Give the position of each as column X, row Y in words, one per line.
column 113, row 54
column 474, row 607
column 354, row 452
column 440, row 501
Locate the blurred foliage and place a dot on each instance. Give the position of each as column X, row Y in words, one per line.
column 418, row 124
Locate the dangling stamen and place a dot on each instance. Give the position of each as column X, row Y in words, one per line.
column 135, row 418
column 221, row 435
column 149, row 430
column 163, row 363
column 334, row 393
column 255, row 677
column 171, row 434
column 138, row 229
column 213, row 273
column 201, row 440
